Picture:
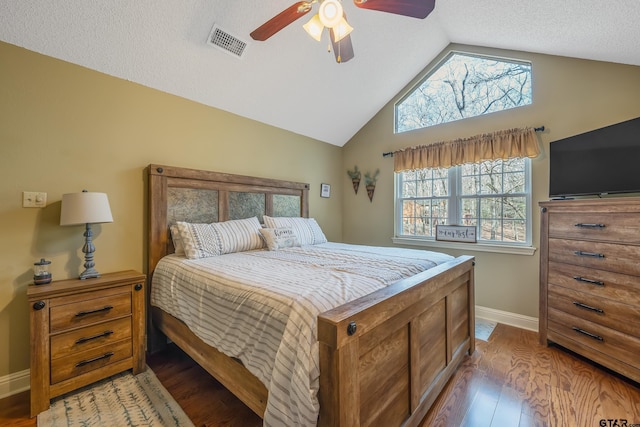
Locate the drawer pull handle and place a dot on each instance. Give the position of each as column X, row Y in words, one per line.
column 588, row 307
column 583, row 225
column 84, row 313
column 593, row 282
column 591, row 254
column 95, row 337
column 589, row 334
column 95, row 359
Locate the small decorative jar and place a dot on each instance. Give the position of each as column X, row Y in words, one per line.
column 41, row 274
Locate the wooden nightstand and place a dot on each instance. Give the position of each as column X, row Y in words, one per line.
column 83, row 331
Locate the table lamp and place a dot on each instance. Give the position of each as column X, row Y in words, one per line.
column 86, row 208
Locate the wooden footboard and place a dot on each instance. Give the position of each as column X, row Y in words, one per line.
column 384, row 358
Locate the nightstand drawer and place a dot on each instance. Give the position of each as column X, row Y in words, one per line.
column 90, row 337
column 89, row 311
column 607, row 312
column 613, row 227
column 89, row 360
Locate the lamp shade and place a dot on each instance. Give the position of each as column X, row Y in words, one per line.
column 85, row 208
column 314, row 27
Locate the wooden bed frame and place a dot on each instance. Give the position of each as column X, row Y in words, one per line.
column 384, row 358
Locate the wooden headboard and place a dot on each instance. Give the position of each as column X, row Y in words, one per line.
column 198, row 196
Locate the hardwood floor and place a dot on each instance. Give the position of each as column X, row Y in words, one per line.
column 510, row 380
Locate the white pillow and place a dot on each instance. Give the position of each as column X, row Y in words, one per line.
column 219, row 238
column 239, row 235
column 279, row 238
column 177, row 241
column 306, row 229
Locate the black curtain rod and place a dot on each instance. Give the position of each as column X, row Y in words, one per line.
column 390, row 153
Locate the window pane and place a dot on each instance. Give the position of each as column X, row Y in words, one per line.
column 515, row 208
column 409, row 188
column 470, row 184
column 469, row 212
column 419, row 217
column 490, row 229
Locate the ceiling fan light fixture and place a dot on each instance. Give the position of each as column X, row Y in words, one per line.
column 314, row 27
column 330, row 13
column 342, row 30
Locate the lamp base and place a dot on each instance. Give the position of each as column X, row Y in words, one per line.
column 89, row 273
column 88, row 249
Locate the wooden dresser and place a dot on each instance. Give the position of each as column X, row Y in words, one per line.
column 83, row 331
column 590, row 280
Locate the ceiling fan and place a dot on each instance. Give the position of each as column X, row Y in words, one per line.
column 332, row 16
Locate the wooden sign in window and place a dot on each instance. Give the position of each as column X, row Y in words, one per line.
column 456, row 233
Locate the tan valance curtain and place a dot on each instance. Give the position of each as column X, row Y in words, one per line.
column 504, row 144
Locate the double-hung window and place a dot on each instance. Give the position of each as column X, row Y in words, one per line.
column 494, row 196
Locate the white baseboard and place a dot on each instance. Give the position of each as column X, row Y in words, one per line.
column 14, row 383
column 512, row 319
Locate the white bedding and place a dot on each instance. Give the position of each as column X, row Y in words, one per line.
column 262, row 306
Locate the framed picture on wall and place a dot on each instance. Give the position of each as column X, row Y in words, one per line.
column 325, row 190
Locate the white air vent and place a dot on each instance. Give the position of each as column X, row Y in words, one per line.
column 224, row 41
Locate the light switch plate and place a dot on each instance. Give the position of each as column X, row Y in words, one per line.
column 34, row 199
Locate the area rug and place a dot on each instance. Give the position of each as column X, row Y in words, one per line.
column 484, row 328
column 120, row 400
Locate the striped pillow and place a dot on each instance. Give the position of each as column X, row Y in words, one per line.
column 219, row 238
column 239, row 235
column 306, row 229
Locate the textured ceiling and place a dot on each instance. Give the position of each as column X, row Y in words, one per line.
column 291, row 81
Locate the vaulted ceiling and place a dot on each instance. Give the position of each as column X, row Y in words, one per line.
column 290, row 81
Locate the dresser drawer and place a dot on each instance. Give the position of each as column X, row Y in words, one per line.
column 90, row 337
column 605, row 340
column 599, row 283
column 611, row 227
column 89, row 311
column 79, row 363
column 607, row 312
column 602, row 256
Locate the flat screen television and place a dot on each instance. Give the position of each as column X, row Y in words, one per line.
column 603, row 161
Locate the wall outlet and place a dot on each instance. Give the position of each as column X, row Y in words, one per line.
column 34, row 199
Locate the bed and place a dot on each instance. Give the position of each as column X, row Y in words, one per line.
column 383, row 357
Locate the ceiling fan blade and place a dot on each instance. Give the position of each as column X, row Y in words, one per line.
column 415, row 8
column 281, row 20
column 343, row 49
